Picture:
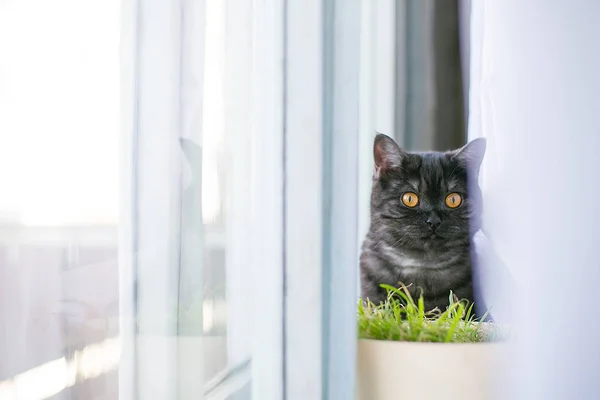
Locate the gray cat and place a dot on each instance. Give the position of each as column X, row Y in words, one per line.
column 425, row 209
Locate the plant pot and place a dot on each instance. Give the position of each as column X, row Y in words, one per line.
column 389, row 370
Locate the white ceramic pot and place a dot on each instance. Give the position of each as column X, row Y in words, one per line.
column 389, row 370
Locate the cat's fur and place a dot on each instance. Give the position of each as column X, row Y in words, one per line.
column 400, row 246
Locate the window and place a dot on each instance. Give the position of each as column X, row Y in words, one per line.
column 59, row 173
column 177, row 223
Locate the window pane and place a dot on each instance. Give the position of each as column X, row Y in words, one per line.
column 59, row 174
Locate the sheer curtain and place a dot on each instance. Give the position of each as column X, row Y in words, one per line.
column 163, row 81
column 534, row 91
column 208, row 284
column 181, row 202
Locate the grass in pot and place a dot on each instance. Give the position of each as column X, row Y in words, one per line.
column 407, row 352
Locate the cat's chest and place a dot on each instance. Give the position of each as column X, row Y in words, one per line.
column 436, row 276
column 432, row 262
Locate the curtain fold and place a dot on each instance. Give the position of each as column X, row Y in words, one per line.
column 534, row 98
column 164, row 211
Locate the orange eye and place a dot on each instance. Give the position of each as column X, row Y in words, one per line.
column 453, row 200
column 410, row 199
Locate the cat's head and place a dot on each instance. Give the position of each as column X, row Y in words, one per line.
column 426, row 200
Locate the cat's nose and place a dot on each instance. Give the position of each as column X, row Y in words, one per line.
column 433, row 221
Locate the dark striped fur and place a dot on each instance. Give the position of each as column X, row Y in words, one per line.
column 400, row 246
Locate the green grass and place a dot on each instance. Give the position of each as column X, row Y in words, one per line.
column 401, row 318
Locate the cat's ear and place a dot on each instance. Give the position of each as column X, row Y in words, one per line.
column 472, row 154
column 387, row 154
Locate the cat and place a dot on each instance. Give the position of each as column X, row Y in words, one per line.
column 425, row 209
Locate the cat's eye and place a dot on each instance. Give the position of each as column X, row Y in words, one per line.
column 410, row 199
column 453, row 200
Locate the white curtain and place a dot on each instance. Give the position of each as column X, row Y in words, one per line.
column 206, row 213
column 162, row 250
column 534, row 96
